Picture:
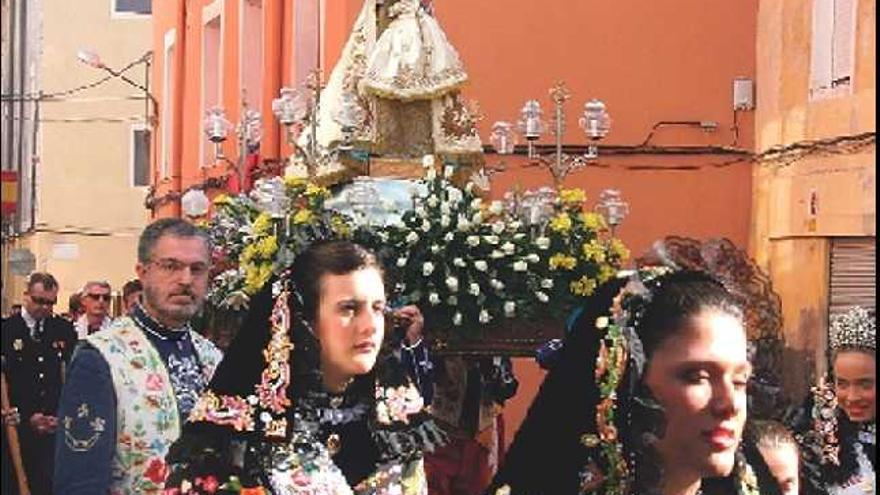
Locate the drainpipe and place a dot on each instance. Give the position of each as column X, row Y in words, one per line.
column 177, row 120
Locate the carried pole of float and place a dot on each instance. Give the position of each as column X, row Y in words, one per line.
column 12, row 440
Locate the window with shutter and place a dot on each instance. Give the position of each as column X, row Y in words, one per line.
column 853, row 273
column 833, row 46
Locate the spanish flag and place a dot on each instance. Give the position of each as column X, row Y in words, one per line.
column 9, row 192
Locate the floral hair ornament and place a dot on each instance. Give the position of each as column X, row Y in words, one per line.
column 854, row 330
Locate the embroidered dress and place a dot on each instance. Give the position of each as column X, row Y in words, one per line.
column 412, row 59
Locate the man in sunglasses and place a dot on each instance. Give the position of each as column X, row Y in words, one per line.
column 95, row 297
column 131, row 386
column 36, row 348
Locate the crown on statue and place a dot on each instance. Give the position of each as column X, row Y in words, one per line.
column 856, row 330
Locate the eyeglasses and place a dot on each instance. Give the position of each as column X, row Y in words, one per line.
column 42, row 301
column 173, row 267
column 100, row 297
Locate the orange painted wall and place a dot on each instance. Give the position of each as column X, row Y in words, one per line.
column 665, row 60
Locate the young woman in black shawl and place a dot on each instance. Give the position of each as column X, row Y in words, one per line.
column 648, row 397
column 307, row 400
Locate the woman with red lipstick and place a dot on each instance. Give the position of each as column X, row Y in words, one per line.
column 648, row 397
column 837, row 429
column 305, row 402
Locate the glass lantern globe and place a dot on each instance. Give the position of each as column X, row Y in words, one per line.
column 503, row 138
column 216, row 125
column 595, row 122
column 532, row 123
column 291, row 107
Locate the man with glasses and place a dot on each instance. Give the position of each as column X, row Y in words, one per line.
column 132, row 386
column 95, row 297
column 36, row 348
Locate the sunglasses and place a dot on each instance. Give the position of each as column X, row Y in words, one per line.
column 101, row 297
column 42, row 301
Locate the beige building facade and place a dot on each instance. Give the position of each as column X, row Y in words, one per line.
column 91, row 156
column 814, row 188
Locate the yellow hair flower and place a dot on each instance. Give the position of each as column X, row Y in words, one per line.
column 262, row 224
column 564, row 261
column 302, row 216
column 340, row 226
column 572, row 196
column 561, row 223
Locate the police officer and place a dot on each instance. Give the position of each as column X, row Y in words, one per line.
column 36, row 347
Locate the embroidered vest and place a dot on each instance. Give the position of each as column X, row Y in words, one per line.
column 147, row 420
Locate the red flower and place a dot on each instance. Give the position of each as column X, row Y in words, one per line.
column 156, row 471
column 210, row 484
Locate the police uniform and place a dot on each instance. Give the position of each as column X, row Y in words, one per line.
column 36, row 354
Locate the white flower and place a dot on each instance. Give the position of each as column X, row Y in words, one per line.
column 476, row 203
column 542, row 242
column 445, row 221
column 481, row 265
column 496, row 207
column 508, row 247
column 492, row 239
column 459, row 262
column 474, row 289
column 449, row 237
column 602, row 322
column 509, row 309
column 452, row 301
column 463, row 223
column 547, row 283
column 533, row 258
column 434, row 298
column 401, row 262
column 431, row 174
column 477, row 218
column 448, row 171
column 420, row 211
column 473, row 240
column 496, row 254
column 427, row 268
column 433, row 201
column 484, row 316
column 514, row 225
column 435, row 248
column 445, row 209
column 498, row 227
column 542, row 296
column 496, row 284
column 428, row 161
column 452, row 284
column 519, row 236
column 412, row 238
column 456, row 318
column 454, row 194
column 520, row 266
column 426, row 225
column 469, row 187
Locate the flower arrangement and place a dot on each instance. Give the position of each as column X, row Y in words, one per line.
column 259, row 234
column 467, row 262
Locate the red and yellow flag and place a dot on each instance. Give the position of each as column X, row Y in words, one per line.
column 9, row 192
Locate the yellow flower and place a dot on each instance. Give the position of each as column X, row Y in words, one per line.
column 594, row 251
column 572, row 196
column 313, row 190
column 262, row 224
column 593, row 221
column 340, row 226
column 267, row 246
column 583, row 286
column 562, row 223
column 302, row 216
column 619, row 249
column 294, row 182
column 606, row 273
column 247, row 254
column 255, row 276
column 560, row 260
column 222, row 199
